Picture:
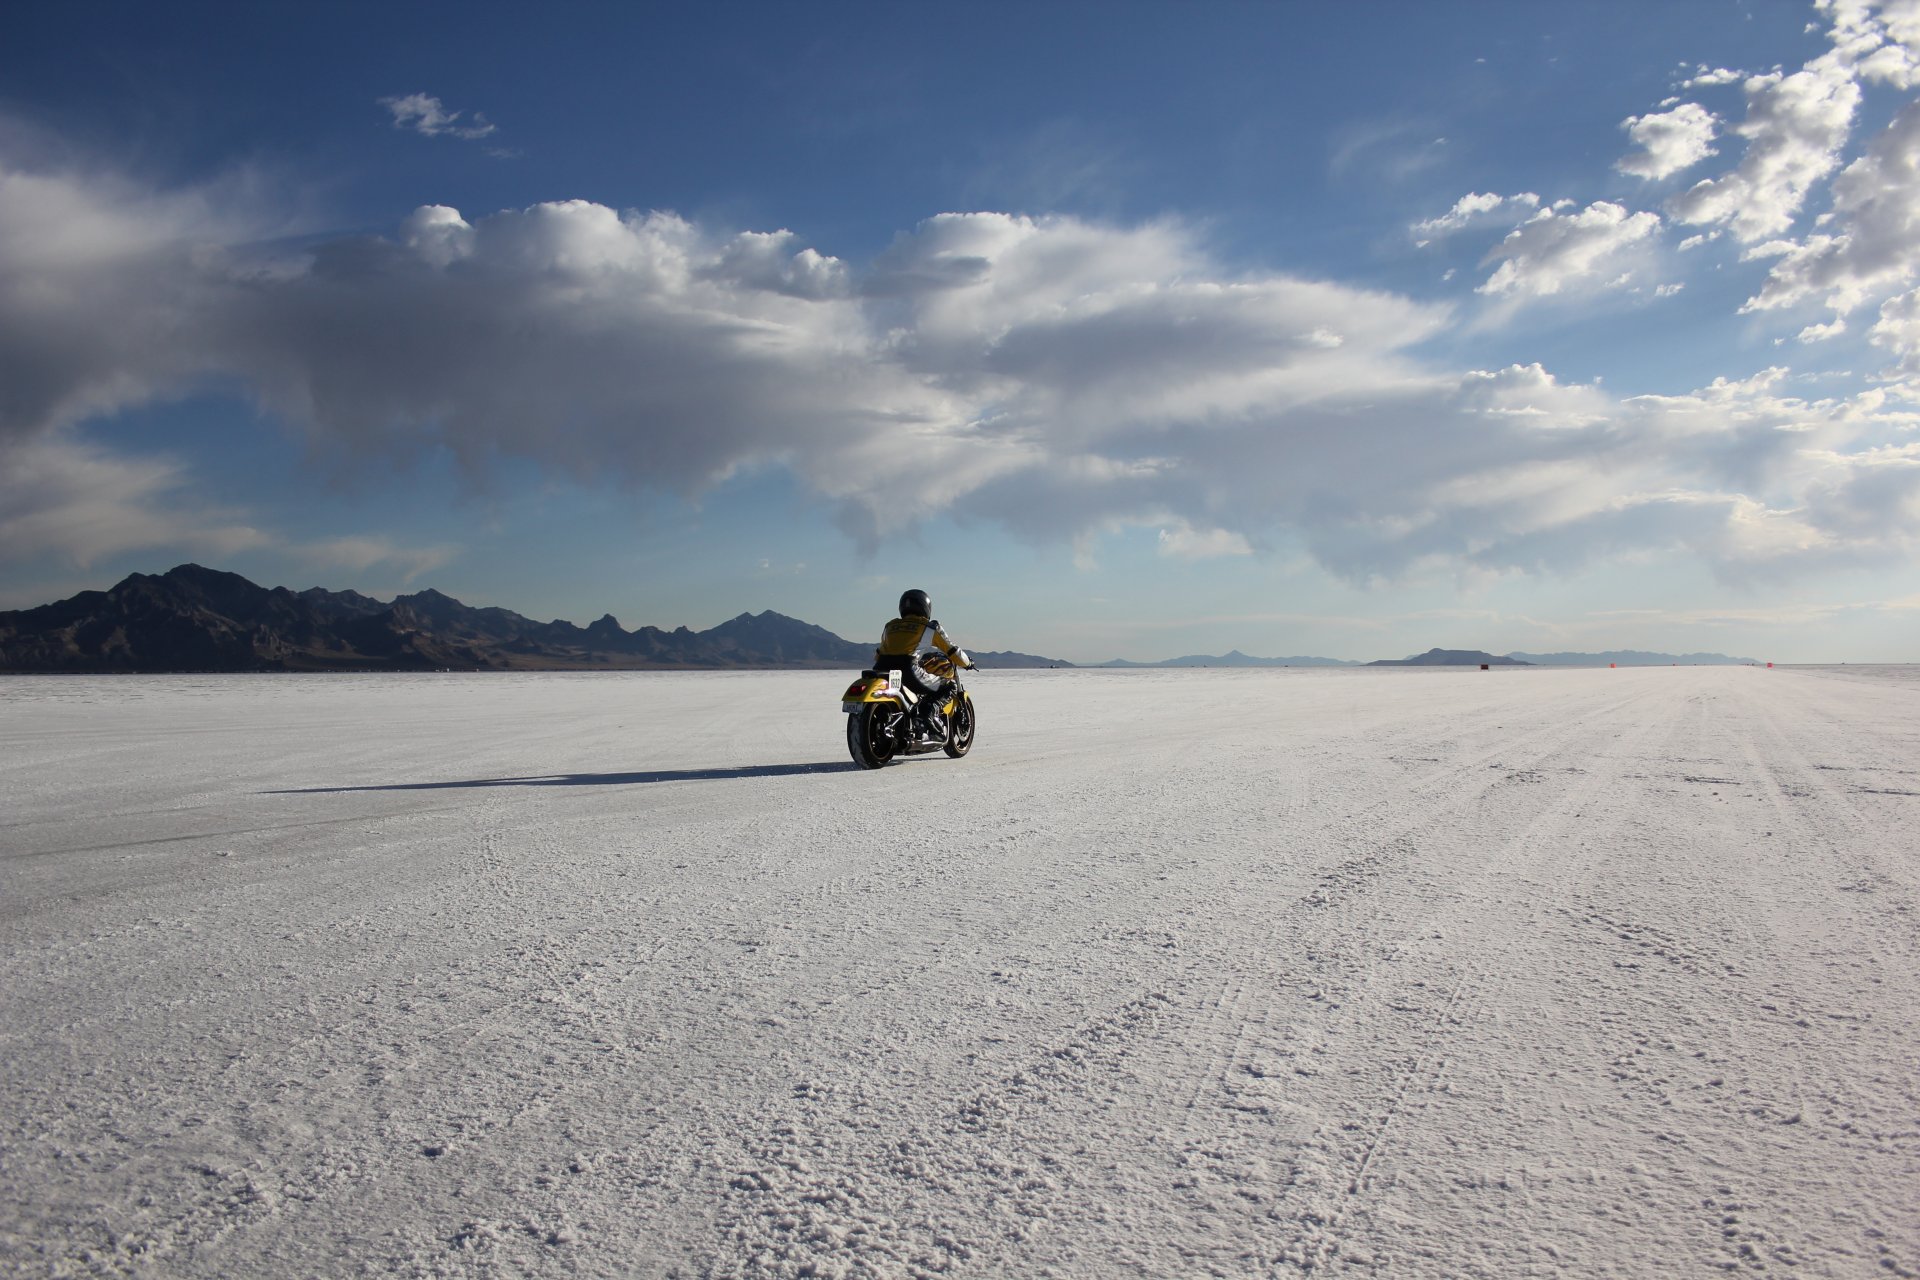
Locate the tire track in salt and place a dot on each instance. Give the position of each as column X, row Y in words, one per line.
column 1732, row 992
column 1322, row 1236
column 1742, row 1220
column 1227, row 1153
column 422, row 1147
column 1839, row 833
column 1820, row 815
column 1328, row 1200
column 1351, row 878
column 1341, row 891
column 1240, row 1010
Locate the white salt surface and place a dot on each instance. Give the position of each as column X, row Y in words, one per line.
column 1180, row 973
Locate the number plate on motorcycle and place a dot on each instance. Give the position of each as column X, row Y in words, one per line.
column 893, row 681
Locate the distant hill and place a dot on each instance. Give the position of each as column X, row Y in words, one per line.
column 1633, row 658
column 1451, row 658
column 1234, row 658
column 196, row 619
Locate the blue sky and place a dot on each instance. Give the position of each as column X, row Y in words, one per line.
column 1126, row 329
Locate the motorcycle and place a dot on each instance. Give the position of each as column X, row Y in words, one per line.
column 881, row 723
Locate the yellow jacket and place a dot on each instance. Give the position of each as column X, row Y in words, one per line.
column 901, row 639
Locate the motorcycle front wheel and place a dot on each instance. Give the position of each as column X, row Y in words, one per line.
column 960, row 727
column 868, row 741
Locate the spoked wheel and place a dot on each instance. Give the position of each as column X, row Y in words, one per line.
column 868, row 741
column 960, row 727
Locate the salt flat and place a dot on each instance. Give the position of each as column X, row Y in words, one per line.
column 1180, row 973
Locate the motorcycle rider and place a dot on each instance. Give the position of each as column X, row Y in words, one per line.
column 900, row 651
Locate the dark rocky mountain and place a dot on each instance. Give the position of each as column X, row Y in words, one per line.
column 1450, row 658
column 197, row 619
column 1234, row 658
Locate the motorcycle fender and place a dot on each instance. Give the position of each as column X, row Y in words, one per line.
column 848, row 708
column 869, row 689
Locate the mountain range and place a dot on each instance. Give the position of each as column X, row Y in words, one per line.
column 197, row 619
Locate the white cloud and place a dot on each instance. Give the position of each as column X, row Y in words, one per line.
column 1669, row 141
column 82, row 503
column 1797, row 124
column 1880, row 38
column 1056, row 376
column 1871, row 244
column 1184, row 542
column 98, row 276
column 1867, row 496
column 1476, row 209
column 1866, row 247
column 1552, row 251
column 422, row 113
column 1795, row 127
column 1898, row 331
column 1707, row 77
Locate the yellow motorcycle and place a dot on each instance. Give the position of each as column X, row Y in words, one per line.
column 881, row 721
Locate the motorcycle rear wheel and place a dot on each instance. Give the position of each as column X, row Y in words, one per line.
column 868, row 741
column 960, row 726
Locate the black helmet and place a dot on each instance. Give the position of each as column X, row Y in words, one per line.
column 914, row 604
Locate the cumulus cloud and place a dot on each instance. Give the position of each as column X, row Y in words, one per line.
column 1705, row 77
column 1865, row 248
column 1796, row 124
column 1795, row 127
column 1873, row 242
column 1897, row 330
column 422, row 113
column 1795, row 132
column 1669, row 141
column 1475, row 209
column 1879, row 38
column 1053, row 375
column 1553, row 251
